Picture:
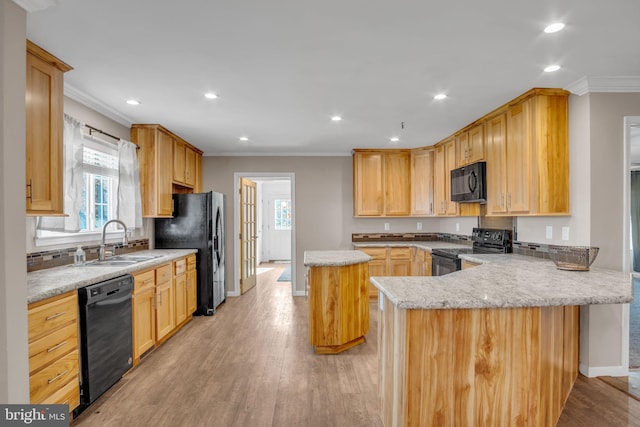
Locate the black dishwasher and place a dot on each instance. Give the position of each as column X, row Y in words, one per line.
column 105, row 336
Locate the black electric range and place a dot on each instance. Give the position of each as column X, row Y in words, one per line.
column 485, row 241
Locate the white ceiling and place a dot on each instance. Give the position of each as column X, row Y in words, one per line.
column 283, row 68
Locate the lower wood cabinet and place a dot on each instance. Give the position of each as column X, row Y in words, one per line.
column 164, row 299
column 396, row 261
column 53, row 351
column 192, row 283
column 338, row 307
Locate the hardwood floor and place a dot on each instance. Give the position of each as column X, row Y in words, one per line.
column 252, row 365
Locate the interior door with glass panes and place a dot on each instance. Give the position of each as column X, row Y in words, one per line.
column 248, row 234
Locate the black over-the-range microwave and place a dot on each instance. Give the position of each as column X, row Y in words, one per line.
column 468, row 183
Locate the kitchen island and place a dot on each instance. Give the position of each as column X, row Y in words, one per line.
column 337, row 285
column 494, row 345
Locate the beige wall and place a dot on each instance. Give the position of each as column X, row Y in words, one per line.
column 14, row 357
column 323, row 204
column 99, row 121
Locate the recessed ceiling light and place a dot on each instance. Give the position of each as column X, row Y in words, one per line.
column 553, row 28
column 551, row 68
column 394, row 139
column 336, row 118
column 133, row 102
column 244, row 138
column 440, row 96
column 210, row 95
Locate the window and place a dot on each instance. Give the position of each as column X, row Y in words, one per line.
column 99, row 195
column 282, row 214
column 100, row 179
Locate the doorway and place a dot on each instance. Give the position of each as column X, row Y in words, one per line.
column 275, row 223
column 632, row 136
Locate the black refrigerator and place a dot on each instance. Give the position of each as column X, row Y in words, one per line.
column 198, row 223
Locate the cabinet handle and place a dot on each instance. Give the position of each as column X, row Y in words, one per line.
column 30, row 185
column 509, row 200
column 57, row 377
column 53, row 316
column 57, row 346
column 430, row 207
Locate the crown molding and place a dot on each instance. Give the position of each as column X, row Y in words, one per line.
column 36, row 5
column 96, row 105
column 593, row 84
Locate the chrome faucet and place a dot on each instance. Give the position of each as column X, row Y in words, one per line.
column 125, row 240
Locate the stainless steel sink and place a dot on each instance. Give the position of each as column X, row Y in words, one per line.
column 121, row 260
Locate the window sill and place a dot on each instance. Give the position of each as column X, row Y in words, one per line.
column 79, row 238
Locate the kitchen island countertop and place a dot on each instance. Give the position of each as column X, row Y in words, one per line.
column 507, row 280
column 50, row 282
column 334, row 258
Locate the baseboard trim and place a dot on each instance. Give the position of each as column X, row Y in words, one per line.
column 602, row 371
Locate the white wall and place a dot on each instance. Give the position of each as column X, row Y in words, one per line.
column 14, row 356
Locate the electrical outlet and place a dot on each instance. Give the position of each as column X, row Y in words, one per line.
column 419, row 226
column 565, row 233
column 387, row 226
column 457, row 226
column 549, row 232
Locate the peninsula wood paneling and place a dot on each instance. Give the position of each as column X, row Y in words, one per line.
column 477, row 367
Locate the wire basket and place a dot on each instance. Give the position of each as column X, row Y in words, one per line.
column 574, row 258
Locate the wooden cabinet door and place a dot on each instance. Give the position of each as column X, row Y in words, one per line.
column 180, row 298
column 164, row 147
column 165, row 320
column 367, row 181
column 451, row 208
column 475, row 145
column 518, row 158
column 44, row 124
column 191, row 291
column 422, row 165
column 397, row 188
column 428, row 266
column 190, row 167
column 462, row 148
column 496, row 165
column 144, row 322
column 400, row 267
column 179, row 162
column 439, row 182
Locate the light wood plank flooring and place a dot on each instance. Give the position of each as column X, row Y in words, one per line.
column 252, row 365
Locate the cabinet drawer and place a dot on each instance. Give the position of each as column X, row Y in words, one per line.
column 180, row 266
column 52, row 346
column 163, row 273
column 48, row 316
column 400, row 253
column 375, row 253
column 144, row 280
column 67, row 395
column 191, row 262
column 52, row 378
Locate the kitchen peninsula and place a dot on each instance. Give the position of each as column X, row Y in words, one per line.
column 493, row 345
column 338, row 299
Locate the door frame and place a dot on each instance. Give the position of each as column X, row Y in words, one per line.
column 289, row 176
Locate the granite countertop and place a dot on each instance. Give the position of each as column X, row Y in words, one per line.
column 508, row 280
column 47, row 283
column 426, row 245
column 334, row 258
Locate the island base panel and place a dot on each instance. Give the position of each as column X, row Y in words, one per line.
column 476, row 367
column 335, row 349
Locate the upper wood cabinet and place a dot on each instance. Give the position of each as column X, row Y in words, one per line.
column 44, row 122
column 160, row 148
column 381, row 182
column 422, row 167
column 445, row 161
column 184, row 163
column 470, row 145
column 528, row 156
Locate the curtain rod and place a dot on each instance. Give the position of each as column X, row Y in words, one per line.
column 93, row 129
column 100, row 131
